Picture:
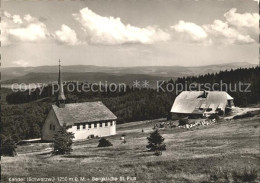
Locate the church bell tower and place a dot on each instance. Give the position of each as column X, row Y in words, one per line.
column 60, row 100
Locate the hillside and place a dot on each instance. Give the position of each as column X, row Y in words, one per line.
column 30, row 110
column 218, row 153
column 162, row 71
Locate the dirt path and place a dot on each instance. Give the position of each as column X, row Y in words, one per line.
column 238, row 111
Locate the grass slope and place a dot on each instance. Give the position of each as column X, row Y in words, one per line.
column 191, row 155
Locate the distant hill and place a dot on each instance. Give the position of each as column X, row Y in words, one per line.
column 88, row 72
column 91, row 77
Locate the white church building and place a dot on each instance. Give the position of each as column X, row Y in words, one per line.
column 85, row 120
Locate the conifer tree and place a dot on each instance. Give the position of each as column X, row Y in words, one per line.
column 8, row 147
column 156, row 142
column 62, row 141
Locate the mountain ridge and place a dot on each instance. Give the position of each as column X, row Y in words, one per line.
column 10, row 73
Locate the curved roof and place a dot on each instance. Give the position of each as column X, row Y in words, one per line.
column 193, row 102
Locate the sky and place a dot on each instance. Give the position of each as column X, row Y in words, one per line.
column 129, row 32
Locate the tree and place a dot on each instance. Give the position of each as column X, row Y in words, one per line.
column 62, row 141
column 103, row 142
column 183, row 122
column 8, row 147
column 214, row 116
column 156, row 142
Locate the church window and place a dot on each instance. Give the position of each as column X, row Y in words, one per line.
column 101, row 124
column 84, row 126
column 111, row 123
column 89, row 125
column 106, row 124
column 78, row 127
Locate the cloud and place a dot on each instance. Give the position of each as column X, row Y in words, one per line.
column 21, row 63
column 236, row 29
column 29, row 18
column 190, row 31
column 242, row 20
column 246, row 23
column 17, row 19
column 66, row 36
column 15, row 29
column 32, row 32
column 111, row 31
column 220, row 31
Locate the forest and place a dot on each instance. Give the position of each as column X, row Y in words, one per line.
column 22, row 115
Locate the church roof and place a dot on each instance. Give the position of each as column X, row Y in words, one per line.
column 193, row 102
column 83, row 113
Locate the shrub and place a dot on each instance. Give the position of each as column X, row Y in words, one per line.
column 221, row 113
column 170, row 116
column 158, row 153
column 62, row 143
column 156, row 142
column 214, row 116
column 183, row 122
column 8, row 148
column 246, row 115
column 103, row 142
column 224, row 175
column 91, row 136
column 247, row 175
column 219, row 175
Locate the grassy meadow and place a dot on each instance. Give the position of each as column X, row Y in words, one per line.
column 226, row 151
